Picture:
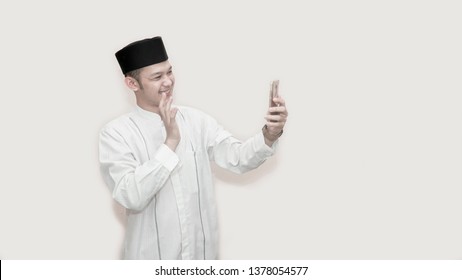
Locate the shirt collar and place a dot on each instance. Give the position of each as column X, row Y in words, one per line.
column 147, row 114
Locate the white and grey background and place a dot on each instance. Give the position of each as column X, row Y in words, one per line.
column 369, row 166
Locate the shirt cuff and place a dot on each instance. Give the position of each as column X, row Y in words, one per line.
column 263, row 148
column 167, row 157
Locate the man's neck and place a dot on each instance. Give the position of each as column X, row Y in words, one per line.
column 146, row 107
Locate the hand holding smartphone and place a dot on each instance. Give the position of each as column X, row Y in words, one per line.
column 276, row 123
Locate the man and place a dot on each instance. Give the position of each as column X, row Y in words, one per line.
column 156, row 161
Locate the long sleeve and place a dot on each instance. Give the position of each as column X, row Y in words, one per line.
column 133, row 184
column 234, row 155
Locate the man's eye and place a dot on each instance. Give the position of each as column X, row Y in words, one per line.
column 157, row 78
column 170, row 72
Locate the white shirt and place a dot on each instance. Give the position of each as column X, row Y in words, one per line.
column 169, row 197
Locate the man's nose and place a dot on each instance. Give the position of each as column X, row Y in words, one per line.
column 167, row 82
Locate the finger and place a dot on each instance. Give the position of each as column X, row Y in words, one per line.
column 173, row 112
column 162, row 107
column 275, row 118
column 277, row 123
column 279, row 110
column 279, row 100
column 167, row 109
column 163, row 98
column 168, row 104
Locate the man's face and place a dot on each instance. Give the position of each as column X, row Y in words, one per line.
column 155, row 80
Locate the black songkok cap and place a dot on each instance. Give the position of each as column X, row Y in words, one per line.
column 141, row 53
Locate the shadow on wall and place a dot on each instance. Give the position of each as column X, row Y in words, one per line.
column 246, row 179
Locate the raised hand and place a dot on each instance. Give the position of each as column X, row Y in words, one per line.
column 167, row 115
column 275, row 120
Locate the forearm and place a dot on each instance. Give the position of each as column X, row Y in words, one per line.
column 135, row 186
column 240, row 157
column 135, row 190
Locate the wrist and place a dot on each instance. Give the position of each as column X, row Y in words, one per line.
column 269, row 136
column 172, row 144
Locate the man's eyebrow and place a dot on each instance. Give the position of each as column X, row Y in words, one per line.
column 160, row 72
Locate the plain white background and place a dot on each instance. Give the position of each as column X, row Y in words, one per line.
column 369, row 166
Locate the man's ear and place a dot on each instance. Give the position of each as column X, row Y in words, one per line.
column 132, row 83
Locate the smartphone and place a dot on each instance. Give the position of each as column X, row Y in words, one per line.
column 274, row 92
